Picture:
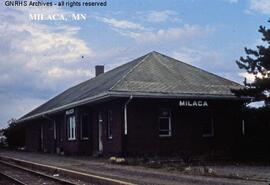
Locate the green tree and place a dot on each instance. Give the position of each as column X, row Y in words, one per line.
column 257, row 63
column 15, row 134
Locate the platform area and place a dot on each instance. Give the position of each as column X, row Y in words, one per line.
column 222, row 174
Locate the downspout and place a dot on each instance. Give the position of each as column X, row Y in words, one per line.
column 125, row 115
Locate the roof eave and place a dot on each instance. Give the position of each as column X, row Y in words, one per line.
column 135, row 95
column 179, row 96
column 67, row 106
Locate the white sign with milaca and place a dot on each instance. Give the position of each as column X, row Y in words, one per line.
column 193, row 103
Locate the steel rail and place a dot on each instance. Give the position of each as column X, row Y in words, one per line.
column 16, row 181
column 43, row 175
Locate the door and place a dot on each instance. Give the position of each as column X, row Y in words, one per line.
column 100, row 121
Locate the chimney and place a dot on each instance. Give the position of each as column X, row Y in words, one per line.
column 99, row 69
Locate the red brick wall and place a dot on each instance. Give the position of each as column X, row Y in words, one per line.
column 114, row 145
column 187, row 129
column 143, row 129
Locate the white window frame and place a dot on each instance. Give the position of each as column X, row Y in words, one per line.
column 84, row 138
column 212, row 129
column 71, row 124
column 170, row 126
column 109, row 124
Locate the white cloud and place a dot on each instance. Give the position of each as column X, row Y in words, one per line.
column 37, row 60
column 39, row 49
column 170, row 34
column 231, row 1
column 67, row 73
column 197, row 57
column 256, row 104
column 261, row 6
column 160, row 16
column 250, row 77
column 208, row 60
column 144, row 34
column 187, row 55
column 122, row 24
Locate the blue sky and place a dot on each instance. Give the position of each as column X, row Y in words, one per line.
column 40, row 59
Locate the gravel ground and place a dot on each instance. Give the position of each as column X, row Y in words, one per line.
column 246, row 171
column 143, row 175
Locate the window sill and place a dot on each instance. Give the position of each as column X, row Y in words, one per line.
column 85, row 138
column 72, row 139
column 165, row 136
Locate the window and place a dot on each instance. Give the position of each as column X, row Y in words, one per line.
column 208, row 128
column 84, row 127
column 165, row 123
column 71, row 127
column 109, row 122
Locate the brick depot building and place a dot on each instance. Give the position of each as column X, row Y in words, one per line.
column 152, row 105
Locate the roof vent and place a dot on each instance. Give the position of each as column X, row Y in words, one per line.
column 99, row 69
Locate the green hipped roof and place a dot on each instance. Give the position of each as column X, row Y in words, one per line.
column 152, row 75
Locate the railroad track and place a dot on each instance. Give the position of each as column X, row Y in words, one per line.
column 6, row 179
column 19, row 175
column 69, row 176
